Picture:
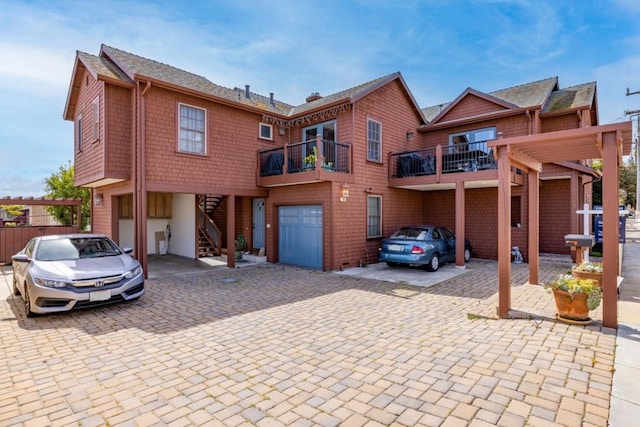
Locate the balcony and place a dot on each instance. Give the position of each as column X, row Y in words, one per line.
column 306, row 162
column 437, row 168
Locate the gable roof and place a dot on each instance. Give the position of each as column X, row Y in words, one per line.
column 527, row 95
column 357, row 92
column 123, row 67
column 572, row 97
column 137, row 67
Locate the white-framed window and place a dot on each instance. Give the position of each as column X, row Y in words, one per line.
column 95, row 122
column 471, row 140
column 266, row 131
column 192, row 129
column 79, row 133
column 374, row 140
column 374, row 216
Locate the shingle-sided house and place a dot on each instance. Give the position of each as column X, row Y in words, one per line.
column 181, row 165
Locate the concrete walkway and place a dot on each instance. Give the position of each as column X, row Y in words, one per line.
column 625, row 398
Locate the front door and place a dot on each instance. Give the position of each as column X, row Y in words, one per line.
column 258, row 223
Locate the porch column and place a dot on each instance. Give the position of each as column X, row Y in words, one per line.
column 504, row 232
column 534, row 226
column 460, row 215
column 610, row 233
column 231, row 231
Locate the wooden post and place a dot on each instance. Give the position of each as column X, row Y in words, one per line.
column 610, row 233
column 460, row 216
column 231, row 231
column 533, row 230
column 504, row 232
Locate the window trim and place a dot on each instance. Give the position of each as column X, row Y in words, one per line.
column 265, row 126
column 379, row 141
column 79, row 133
column 204, row 131
column 95, row 124
column 379, row 217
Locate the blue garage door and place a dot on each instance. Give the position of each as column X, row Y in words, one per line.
column 300, row 239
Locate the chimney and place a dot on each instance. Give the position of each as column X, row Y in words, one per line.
column 314, row 96
column 271, row 101
column 246, row 92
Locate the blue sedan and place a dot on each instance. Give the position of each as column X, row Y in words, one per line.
column 421, row 245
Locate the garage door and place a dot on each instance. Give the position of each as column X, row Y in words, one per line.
column 300, row 236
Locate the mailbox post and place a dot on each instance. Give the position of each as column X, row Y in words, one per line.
column 581, row 241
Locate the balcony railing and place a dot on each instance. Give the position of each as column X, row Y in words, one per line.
column 468, row 157
column 308, row 156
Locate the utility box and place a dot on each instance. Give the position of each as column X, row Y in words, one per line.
column 579, row 240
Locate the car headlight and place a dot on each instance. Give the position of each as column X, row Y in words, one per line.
column 133, row 273
column 50, row 283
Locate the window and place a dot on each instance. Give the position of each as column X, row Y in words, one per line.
column 79, row 133
column 192, row 130
column 516, row 211
column 374, row 216
column 95, row 124
column 266, row 131
column 471, row 140
column 374, row 140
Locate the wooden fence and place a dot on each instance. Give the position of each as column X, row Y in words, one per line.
column 13, row 239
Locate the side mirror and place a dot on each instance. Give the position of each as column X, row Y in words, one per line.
column 127, row 250
column 20, row 258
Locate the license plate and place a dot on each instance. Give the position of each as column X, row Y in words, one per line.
column 100, row 295
column 395, row 248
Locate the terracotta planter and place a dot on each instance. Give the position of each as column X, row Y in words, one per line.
column 596, row 277
column 572, row 308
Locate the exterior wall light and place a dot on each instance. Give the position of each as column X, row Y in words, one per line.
column 97, row 200
column 410, row 135
column 344, row 192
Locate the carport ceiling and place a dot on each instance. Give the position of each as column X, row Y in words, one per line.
column 575, row 144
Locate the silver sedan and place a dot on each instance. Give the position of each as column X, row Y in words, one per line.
column 62, row 272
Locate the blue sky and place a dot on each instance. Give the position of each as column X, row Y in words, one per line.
column 296, row 47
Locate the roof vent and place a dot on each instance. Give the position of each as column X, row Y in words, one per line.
column 246, row 92
column 314, row 96
column 271, row 101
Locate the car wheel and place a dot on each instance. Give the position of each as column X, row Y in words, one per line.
column 467, row 255
column 434, row 263
column 392, row 264
column 27, row 302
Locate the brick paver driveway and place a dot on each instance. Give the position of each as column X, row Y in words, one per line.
column 279, row 346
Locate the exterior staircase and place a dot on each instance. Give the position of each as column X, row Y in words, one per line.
column 209, row 236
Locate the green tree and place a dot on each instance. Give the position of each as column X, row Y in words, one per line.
column 626, row 186
column 628, row 175
column 61, row 185
column 13, row 210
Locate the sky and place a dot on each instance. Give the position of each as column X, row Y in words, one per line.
column 296, row 47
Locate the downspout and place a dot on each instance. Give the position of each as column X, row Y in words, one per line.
column 140, row 181
column 530, row 125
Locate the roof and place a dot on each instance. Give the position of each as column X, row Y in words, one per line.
column 347, row 94
column 529, row 94
column 545, row 94
column 117, row 65
column 570, row 98
column 137, row 67
column 102, row 67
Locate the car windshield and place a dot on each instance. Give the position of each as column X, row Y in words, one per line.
column 410, row 233
column 75, row 248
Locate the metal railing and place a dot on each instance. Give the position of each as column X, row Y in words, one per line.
column 467, row 157
column 305, row 156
